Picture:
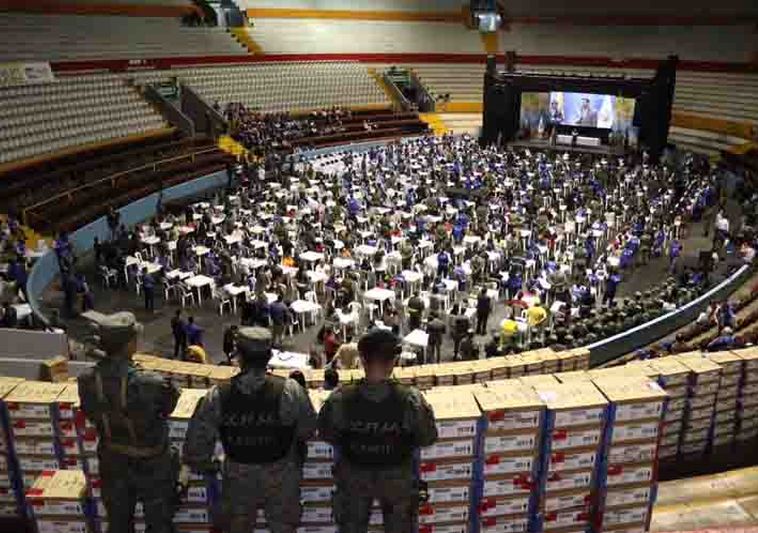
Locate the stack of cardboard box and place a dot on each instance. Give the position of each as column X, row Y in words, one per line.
column 673, row 376
column 727, row 398
column 11, row 495
column 510, row 461
column 318, row 483
column 704, row 381
column 628, row 476
column 573, row 432
column 448, row 466
column 58, row 502
column 747, row 407
column 36, row 428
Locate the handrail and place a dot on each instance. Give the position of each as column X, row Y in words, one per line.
column 112, row 178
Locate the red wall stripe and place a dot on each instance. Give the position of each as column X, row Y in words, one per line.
column 118, row 65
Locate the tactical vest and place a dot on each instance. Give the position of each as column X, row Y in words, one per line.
column 127, row 422
column 375, row 436
column 251, row 429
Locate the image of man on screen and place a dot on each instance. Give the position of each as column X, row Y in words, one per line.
column 587, row 117
column 556, row 115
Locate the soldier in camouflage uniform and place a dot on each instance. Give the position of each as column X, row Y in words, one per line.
column 130, row 408
column 376, row 425
column 262, row 421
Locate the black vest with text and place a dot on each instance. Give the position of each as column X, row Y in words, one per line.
column 375, row 436
column 251, row 429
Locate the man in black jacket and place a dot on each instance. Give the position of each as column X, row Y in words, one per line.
column 180, row 335
column 483, row 308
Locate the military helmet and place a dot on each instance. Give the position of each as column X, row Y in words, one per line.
column 254, row 345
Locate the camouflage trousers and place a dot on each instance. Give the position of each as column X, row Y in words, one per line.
column 274, row 487
column 126, row 480
column 394, row 488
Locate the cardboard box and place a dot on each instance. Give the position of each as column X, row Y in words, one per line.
column 618, row 474
column 632, row 453
column 618, row 496
column 499, row 506
column 33, row 400
column 573, row 404
column 730, row 362
column 635, row 431
column 533, row 363
column 446, row 470
column 448, row 449
column 750, row 358
column 37, row 463
column 498, row 464
column 575, row 460
column 702, row 370
column 425, row 528
column 178, row 421
column 569, row 480
column 73, row 525
column 575, row 437
column 442, row 513
column 317, row 470
column 456, row 413
column 519, row 443
column 554, row 501
column 574, row 376
column 222, row 374
column 54, row 370
column 671, row 373
column 632, row 398
column 58, row 493
column 508, row 485
column 625, row 515
column 447, row 492
column 566, row 518
column 320, row 451
column 315, row 493
column 503, row 524
column 510, row 405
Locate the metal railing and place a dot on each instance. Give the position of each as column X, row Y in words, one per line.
column 28, row 214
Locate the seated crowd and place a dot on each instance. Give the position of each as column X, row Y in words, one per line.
column 431, row 235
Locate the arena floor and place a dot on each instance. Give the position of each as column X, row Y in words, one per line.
column 157, row 337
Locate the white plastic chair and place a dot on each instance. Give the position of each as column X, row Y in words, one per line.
column 223, row 299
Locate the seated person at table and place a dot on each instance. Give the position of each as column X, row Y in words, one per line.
column 347, row 356
column 492, row 348
column 469, row 349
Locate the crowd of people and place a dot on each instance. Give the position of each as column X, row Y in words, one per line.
column 266, row 132
column 449, row 234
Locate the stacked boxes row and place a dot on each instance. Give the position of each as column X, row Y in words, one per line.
column 448, row 467
column 628, row 477
column 747, row 407
column 510, row 462
column 673, row 377
column 727, row 398
column 704, row 379
column 575, row 418
column 318, row 483
column 11, row 493
column 37, row 428
column 58, row 503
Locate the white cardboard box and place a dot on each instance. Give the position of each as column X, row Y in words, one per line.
column 443, row 470
column 627, row 474
column 576, row 460
column 495, row 464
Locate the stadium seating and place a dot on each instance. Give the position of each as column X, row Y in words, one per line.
column 282, row 86
column 68, row 112
column 322, row 36
column 37, row 37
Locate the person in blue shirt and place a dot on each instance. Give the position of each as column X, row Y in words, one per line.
column 443, row 264
column 458, row 232
column 148, row 288
column 674, row 253
column 722, row 342
column 194, row 333
column 610, row 287
column 17, row 272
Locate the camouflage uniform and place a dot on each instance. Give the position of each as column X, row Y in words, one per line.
column 129, row 408
column 363, row 474
column 267, row 473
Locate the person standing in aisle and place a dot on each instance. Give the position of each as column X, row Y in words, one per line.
column 130, row 409
column 148, row 287
column 262, row 422
column 180, row 335
column 483, row 309
column 376, row 425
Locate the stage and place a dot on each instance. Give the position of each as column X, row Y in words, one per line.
column 545, row 146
